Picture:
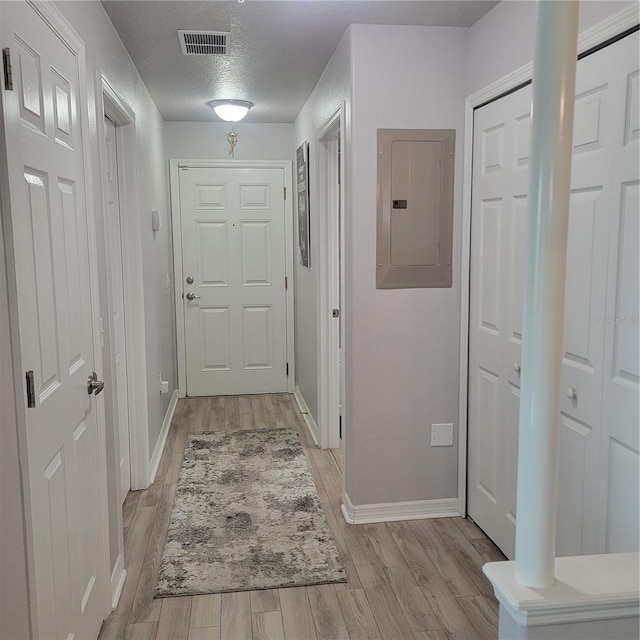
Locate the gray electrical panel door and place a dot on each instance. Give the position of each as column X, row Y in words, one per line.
column 415, row 207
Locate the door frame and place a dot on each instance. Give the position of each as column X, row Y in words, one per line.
column 330, row 278
column 59, row 25
column 176, row 223
column 589, row 39
column 110, row 104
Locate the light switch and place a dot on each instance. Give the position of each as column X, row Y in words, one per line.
column 156, row 222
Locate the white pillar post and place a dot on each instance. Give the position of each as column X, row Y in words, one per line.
column 551, row 142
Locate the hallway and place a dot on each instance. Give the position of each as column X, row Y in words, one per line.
column 418, row 580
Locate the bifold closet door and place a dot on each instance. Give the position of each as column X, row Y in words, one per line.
column 598, row 447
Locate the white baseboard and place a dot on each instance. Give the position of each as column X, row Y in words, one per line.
column 117, row 581
column 392, row 511
column 312, row 427
column 162, row 438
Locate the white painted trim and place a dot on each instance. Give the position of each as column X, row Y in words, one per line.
column 609, row 28
column 109, row 103
column 587, row 588
column 599, row 33
column 392, row 511
column 118, row 577
column 162, row 438
column 310, row 423
column 287, row 170
column 327, row 286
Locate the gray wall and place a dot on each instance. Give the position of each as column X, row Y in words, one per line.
column 403, row 345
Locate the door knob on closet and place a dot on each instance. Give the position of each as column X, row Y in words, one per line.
column 192, row 296
column 571, row 394
column 94, row 385
column 516, row 367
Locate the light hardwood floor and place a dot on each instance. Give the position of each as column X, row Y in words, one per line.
column 418, row 580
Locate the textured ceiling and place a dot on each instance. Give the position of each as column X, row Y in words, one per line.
column 278, row 48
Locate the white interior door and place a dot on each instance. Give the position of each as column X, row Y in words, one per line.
column 619, row 478
column 498, row 227
column 117, row 304
column 233, row 262
column 50, row 247
column 602, row 282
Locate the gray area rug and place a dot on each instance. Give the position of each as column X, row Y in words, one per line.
column 247, row 516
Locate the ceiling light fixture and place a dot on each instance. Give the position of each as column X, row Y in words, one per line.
column 231, row 110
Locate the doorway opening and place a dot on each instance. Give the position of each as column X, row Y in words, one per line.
column 233, row 260
column 330, row 284
column 121, row 318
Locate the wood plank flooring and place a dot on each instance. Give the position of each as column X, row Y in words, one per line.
column 414, row 580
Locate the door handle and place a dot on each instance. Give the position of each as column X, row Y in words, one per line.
column 191, row 296
column 94, row 385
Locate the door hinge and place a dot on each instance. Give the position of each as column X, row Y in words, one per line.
column 287, row 368
column 286, row 283
column 285, row 193
column 6, row 64
column 340, row 427
column 31, row 391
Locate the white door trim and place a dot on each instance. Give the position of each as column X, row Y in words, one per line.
column 118, row 111
column 63, row 29
column 327, row 286
column 598, row 34
column 287, row 168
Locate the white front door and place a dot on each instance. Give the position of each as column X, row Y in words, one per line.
column 49, row 258
column 598, row 474
column 233, row 264
column 117, row 303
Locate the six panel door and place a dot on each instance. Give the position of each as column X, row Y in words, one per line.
column 598, row 446
column 233, row 251
column 43, row 126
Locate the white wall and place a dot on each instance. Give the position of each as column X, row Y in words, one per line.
column 503, row 40
column 402, row 345
column 208, row 140
column 333, row 88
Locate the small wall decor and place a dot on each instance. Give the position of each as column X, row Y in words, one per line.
column 304, row 220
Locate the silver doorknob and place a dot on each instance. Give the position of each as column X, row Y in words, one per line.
column 571, row 393
column 192, row 296
column 516, row 367
column 94, row 385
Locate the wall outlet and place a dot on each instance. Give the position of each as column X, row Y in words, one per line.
column 442, row 435
column 164, row 386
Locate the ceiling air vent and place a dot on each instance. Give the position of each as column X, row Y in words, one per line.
column 203, row 43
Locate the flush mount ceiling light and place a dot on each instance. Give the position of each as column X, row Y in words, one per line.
column 231, row 110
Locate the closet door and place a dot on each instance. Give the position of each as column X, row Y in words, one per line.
column 498, row 240
column 599, row 277
column 619, row 480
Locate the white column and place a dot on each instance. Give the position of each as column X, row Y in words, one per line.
column 551, row 142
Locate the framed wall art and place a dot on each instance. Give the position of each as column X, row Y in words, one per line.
column 304, row 220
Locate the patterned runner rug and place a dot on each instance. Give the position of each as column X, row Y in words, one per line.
column 247, row 516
